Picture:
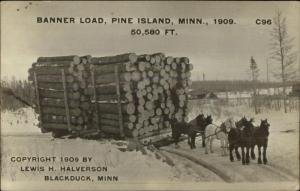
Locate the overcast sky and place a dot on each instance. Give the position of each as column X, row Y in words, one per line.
column 221, row 52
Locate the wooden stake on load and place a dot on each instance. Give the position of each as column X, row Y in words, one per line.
column 119, row 101
column 95, row 98
column 66, row 99
column 37, row 93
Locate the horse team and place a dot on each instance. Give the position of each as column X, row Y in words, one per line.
column 232, row 135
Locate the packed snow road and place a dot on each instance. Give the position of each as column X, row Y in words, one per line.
column 224, row 169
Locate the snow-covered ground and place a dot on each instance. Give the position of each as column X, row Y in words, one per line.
column 20, row 136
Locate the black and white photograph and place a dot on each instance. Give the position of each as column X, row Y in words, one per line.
column 150, row 95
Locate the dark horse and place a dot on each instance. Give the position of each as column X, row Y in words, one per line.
column 242, row 136
column 191, row 129
column 261, row 135
column 198, row 125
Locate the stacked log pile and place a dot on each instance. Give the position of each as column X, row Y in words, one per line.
column 153, row 92
column 126, row 95
column 61, row 89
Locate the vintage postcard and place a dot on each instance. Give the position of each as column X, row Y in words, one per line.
column 150, row 95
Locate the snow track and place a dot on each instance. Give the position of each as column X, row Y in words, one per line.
column 231, row 171
column 193, row 162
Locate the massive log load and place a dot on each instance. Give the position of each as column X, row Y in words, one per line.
column 127, row 95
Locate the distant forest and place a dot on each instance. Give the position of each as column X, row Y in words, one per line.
column 236, row 85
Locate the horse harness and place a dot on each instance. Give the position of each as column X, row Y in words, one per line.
column 222, row 127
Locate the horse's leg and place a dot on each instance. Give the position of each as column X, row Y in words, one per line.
column 252, row 152
column 194, row 140
column 231, row 147
column 206, row 145
column 265, row 154
column 226, row 146
column 223, row 146
column 189, row 139
column 237, row 154
column 243, row 154
column 259, row 154
column 203, row 139
column 247, row 154
column 211, row 145
column 176, row 140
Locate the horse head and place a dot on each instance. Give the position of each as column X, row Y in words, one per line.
column 241, row 123
column 264, row 124
column 208, row 120
column 200, row 119
column 248, row 129
column 230, row 124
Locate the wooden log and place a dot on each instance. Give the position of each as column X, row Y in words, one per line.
column 185, row 60
column 149, row 105
column 54, row 78
column 132, row 118
column 136, row 76
column 142, row 66
column 75, row 59
column 58, row 86
column 114, row 123
column 155, row 78
column 130, row 126
column 129, row 97
column 129, row 57
column 177, row 60
column 141, row 101
column 80, row 67
column 147, row 81
column 60, row 126
column 58, row 94
column 152, row 60
column 145, row 57
column 109, row 78
column 58, row 64
column 169, row 60
column 167, row 68
column 62, row 119
column 59, row 102
column 106, row 90
column 149, row 96
column 174, row 66
column 113, row 116
column 190, row 67
column 108, row 97
column 141, row 109
column 113, row 108
column 49, row 70
column 87, row 58
column 60, row 111
column 108, row 69
column 149, row 89
column 141, row 85
column 85, row 105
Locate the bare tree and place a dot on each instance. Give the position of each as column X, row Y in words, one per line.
column 254, row 77
column 282, row 53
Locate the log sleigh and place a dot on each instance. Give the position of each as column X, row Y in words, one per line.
column 125, row 95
